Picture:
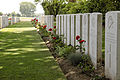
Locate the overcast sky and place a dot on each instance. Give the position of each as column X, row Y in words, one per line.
column 8, row 6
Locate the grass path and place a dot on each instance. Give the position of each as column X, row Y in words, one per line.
column 24, row 56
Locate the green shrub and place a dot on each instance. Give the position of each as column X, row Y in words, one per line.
column 75, row 58
column 81, row 60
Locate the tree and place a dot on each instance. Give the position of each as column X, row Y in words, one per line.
column 27, row 8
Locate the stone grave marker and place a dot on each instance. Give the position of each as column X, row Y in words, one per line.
column 95, row 38
column 112, row 45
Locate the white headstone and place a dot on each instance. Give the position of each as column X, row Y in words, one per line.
column 112, row 45
column 57, row 24
column 62, row 26
column 68, row 29
column 73, row 29
column 52, row 20
column 65, row 29
column 95, row 38
column 78, row 26
column 85, row 31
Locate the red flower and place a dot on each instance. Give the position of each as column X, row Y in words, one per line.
column 9, row 19
column 81, row 41
column 54, row 38
column 32, row 19
column 54, row 27
column 37, row 20
column 77, row 37
column 50, row 29
column 44, row 26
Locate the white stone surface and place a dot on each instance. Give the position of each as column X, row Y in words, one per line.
column 73, row 29
column 95, row 38
column 57, row 24
column 85, row 31
column 65, row 29
column 78, row 26
column 68, row 29
column 3, row 21
column 112, row 45
column 17, row 19
column 62, row 27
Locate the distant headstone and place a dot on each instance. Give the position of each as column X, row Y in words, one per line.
column 68, row 29
column 73, row 29
column 95, row 38
column 65, row 29
column 57, row 24
column 112, row 45
column 78, row 26
column 62, row 26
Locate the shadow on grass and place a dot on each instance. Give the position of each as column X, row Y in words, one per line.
column 24, row 56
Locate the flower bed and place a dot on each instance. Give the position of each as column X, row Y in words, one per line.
column 75, row 64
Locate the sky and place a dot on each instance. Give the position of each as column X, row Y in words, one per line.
column 8, row 6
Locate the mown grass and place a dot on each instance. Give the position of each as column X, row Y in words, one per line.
column 24, row 56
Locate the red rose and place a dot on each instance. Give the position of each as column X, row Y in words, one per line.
column 77, row 37
column 54, row 27
column 44, row 26
column 54, row 38
column 81, row 41
column 50, row 29
column 37, row 20
column 9, row 19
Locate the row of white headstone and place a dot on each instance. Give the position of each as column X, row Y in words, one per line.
column 15, row 20
column 89, row 27
column 4, row 22
column 47, row 20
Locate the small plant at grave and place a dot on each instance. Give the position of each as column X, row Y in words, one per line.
column 86, row 64
column 65, row 51
column 81, row 44
column 74, row 58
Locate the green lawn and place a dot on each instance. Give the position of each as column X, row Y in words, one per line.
column 24, row 56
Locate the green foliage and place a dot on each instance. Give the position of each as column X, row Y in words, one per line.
column 81, row 60
column 85, row 64
column 64, row 51
column 81, row 6
column 27, row 8
column 75, row 58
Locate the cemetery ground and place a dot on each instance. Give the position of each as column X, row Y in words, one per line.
column 24, row 55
